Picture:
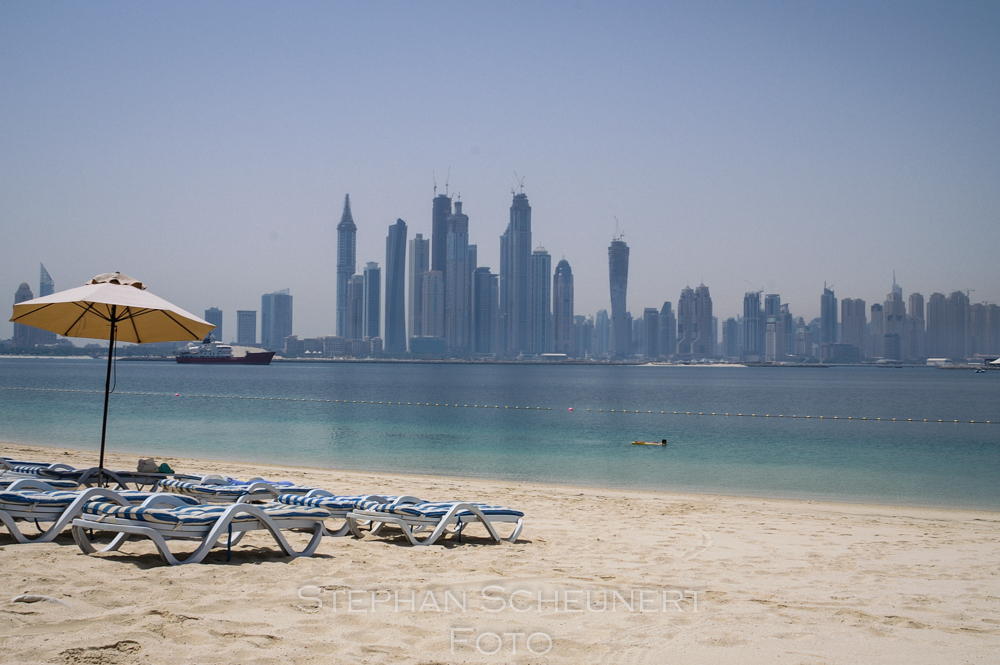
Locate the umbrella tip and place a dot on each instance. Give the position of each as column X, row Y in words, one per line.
column 117, row 278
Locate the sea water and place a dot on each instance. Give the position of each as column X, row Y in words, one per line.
column 568, row 424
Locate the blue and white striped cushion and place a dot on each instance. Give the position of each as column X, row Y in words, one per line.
column 200, row 515
column 56, row 484
column 233, row 491
column 64, row 498
column 437, row 509
column 347, row 502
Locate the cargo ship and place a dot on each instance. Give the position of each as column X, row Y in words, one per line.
column 210, row 352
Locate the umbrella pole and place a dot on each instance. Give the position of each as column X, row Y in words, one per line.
column 107, row 390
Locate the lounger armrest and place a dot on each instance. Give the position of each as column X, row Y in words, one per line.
column 30, row 484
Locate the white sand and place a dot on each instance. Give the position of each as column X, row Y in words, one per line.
column 723, row 580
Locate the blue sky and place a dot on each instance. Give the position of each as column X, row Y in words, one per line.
column 206, row 148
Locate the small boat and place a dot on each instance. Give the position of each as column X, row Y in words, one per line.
column 980, row 371
column 650, row 443
column 210, row 352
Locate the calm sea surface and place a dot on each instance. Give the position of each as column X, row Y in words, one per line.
column 939, row 464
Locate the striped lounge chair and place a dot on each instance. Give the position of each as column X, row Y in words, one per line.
column 338, row 506
column 30, row 500
column 226, row 490
column 85, row 477
column 168, row 518
column 442, row 518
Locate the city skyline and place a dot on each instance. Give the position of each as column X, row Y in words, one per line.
column 780, row 146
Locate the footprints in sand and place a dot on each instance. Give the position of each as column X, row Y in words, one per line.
column 123, row 651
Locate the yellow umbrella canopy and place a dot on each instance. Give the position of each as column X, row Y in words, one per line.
column 111, row 300
column 114, row 307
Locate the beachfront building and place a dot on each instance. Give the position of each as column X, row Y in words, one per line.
column 433, row 306
column 514, row 330
column 214, row 316
column 915, row 328
column 354, row 324
column 827, row 317
column 440, row 212
column 457, row 277
column 753, row 327
column 485, row 293
column 618, row 253
column 275, row 319
column 541, row 301
column 562, row 310
column 346, row 263
column 24, row 336
column 651, row 333
column 395, row 288
column 46, row 287
column 246, row 327
column 854, row 324
column 602, row 333
column 420, row 256
column 371, row 312
column 668, row 330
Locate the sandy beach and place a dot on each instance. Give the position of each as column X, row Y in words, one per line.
column 598, row 576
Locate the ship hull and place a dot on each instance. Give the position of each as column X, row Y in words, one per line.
column 249, row 359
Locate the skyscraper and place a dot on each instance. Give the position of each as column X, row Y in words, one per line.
column 420, row 256
column 485, row 291
column 439, row 233
column 562, row 309
column 651, row 333
column 346, row 263
column 46, row 286
column 456, row 283
column 753, row 327
column 515, row 280
column 958, row 326
column 937, row 326
column 275, row 319
column 915, row 342
column 24, row 336
column 246, row 327
column 395, row 288
column 433, row 304
column 372, row 312
column 541, row 301
column 354, row 326
column 602, row 333
column 876, row 340
column 668, row 330
column 618, row 276
column 703, row 345
column 827, row 317
column 730, row 339
column 685, row 327
column 214, row 316
column 854, row 324
column 774, row 335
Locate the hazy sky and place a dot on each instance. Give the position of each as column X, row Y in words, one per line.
column 205, row 148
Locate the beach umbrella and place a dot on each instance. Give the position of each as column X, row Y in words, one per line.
column 114, row 307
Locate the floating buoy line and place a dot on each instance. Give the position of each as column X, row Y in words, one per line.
column 522, row 408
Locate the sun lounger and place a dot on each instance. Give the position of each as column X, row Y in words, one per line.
column 165, row 519
column 30, row 500
column 338, row 506
column 443, row 517
column 86, row 477
column 226, row 490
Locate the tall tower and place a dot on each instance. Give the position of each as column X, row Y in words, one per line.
column 395, row 288
column 346, row 263
column 456, row 279
column 214, row 316
column 420, row 264
column 275, row 319
column 668, row 330
column 618, row 275
column 433, row 299
column 541, row 301
column 372, row 312
column 827, row 317
column 753, row 327
column 937, row 326
column 24, row 336
column 484, row 311
column 854, row 323
column 703, row 345
column 894, row 312
column 354, row 324
column 915, row 345
column 515, row 279
column 685, row 322
column 440, row 213
column 958, row 336
column 46, row 286
column 651, row 333
column 246, row 327
column 562, row 309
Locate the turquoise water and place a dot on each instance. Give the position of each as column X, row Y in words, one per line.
column 915, row 463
